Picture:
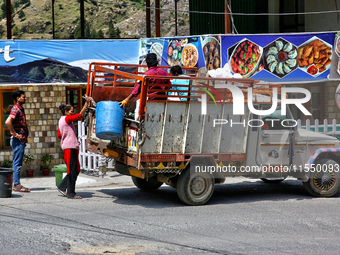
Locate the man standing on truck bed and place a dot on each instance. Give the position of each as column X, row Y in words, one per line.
column 152, row 62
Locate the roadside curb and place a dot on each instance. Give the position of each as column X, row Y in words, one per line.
column 48, row 182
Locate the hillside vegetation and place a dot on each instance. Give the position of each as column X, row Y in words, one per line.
column 32, row 19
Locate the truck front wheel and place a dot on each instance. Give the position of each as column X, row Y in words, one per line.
column 324, row 181
column 195, row 188
column 146, row 185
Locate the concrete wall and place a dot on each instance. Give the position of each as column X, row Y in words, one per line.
column 42, row 114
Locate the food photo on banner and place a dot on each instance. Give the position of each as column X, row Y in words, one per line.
column 183, row 51
column 211, row 46
column 292, row 57
column 151, row 45
column 65, row 61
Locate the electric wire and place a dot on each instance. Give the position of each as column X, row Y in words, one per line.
column 234, row 30
column 336, row 7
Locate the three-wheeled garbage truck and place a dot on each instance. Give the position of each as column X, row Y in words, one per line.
column 205, row 131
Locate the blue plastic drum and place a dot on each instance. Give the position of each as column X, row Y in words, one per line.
column 109, row 120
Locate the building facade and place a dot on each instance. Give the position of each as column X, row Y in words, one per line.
column 42, row 114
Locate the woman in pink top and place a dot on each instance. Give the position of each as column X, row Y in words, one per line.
column 70, row 146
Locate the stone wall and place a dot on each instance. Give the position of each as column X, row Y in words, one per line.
column 42, row 114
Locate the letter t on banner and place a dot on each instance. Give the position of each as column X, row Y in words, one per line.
column 7, row 51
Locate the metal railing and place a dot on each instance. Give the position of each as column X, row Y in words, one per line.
column 325, row 128
column 91, row 163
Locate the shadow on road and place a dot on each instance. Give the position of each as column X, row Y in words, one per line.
column 242, row 192
column 164, row 197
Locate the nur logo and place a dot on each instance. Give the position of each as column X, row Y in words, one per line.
column 238, row 99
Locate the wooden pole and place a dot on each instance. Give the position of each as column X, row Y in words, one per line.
column 82, row 19
column 227, row 25
column 148, row 19
column 9, row 19
column 176, row 17
column 53, row 35
column 158, row 19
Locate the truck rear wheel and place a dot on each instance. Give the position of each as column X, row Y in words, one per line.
column 323, row 183
column 146, row 185
column 195, row 188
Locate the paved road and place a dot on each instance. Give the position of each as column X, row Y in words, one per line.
column 243, row 217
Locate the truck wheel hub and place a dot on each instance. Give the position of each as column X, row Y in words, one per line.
column 324, row 180
column 197, row 186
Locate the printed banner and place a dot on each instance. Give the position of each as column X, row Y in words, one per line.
column 279, row 58
column 284, row 58
column 59, row 60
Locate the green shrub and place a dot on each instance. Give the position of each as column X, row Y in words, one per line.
column 100, row 34
column 6, row 163
column 46, row 160
column 21, row 14
column 16, row 30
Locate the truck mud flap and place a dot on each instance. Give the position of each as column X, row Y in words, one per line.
column 137, row 173
column 122, row 168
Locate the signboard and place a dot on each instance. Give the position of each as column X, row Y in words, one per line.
column 280, row 58
column 283, row 58
column 60, row 60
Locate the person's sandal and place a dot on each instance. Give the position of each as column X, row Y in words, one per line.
column 62, row 192
column 21, row 188
column 74, row 197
